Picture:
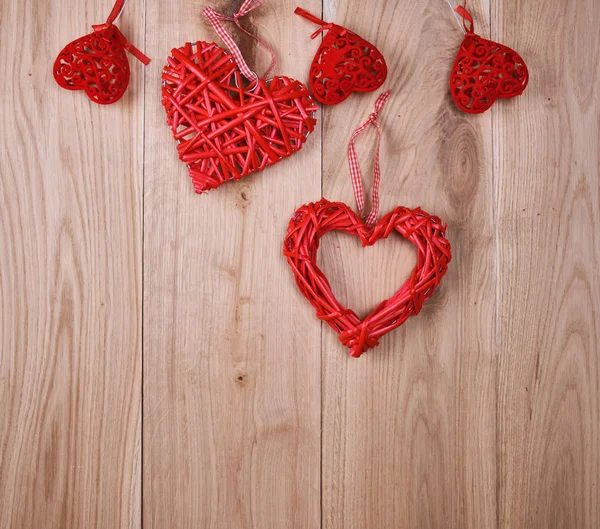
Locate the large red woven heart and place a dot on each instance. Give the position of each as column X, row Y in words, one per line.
column 226, row 130
column 313, row 221
column 484, row 71
column 344, row 63
column 95, row 63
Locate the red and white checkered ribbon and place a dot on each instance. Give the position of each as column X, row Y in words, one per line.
column 355, row 168
column 215, row 19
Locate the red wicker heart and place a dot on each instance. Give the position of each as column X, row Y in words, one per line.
column 95, row 63
column 344, row 63
column 484, row 71
column 426, row 232
column 226, row 130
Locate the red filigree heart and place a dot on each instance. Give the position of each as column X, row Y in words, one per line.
column 95, row 63
column 224, row 129
column 313, row 221
column 484, row 71
column 344, row 63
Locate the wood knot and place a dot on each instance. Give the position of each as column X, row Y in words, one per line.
column 243, row 197
column 241, row 379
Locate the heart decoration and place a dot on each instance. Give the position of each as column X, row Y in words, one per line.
column 225, row 128
column 484, row 71
column 313, row 221
column 97, row 63
column 344, row 63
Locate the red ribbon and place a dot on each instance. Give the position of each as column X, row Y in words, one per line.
column 112, row 17
column 466, row 16
column 215, row 19
column 312, row 18
column 355, row 168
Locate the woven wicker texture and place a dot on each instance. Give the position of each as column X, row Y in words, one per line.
column 344, row 63
column 484, row 71
column 313, row 221
column 225, row 129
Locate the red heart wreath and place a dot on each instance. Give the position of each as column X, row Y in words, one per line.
column 344, row 63
column 484, row 71
column 313, row 221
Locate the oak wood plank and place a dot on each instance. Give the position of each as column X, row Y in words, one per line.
column 409, row 428
column 70, row 280
column 231, row 362
column 547, row 164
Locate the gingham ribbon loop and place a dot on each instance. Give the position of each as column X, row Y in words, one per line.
column 215, row 19
column 355, row 167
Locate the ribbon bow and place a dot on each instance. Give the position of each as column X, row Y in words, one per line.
column 466, row 17
column 312, row 18
column 355, row 168
column 215, row 19
column 112, row 18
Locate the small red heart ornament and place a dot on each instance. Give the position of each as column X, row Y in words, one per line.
column 312, row 221
column 95, row 63
column 485, row 71
column 225, row 128
column 344, row 63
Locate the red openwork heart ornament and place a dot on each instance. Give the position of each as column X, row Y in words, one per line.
column 484, row 71
column 225, row 127
column 95, row 63
column 344, row 63
column 313, row 221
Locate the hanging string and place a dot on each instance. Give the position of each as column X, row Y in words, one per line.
column 466, row 16
column 215, row 19
column 112, row 18
column 355, row 174
column 455, row 13
column 315, row 20
column 117, row 9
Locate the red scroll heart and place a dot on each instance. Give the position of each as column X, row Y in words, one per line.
column 97, row 63
column 225, row 128
column 485, row 71
column 313, row 221
column 344, row 63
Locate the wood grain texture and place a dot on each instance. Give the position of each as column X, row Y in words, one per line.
column 481, row 412
column 546, row 167
column 70, row 282
column 409, row 429
column 232, row 364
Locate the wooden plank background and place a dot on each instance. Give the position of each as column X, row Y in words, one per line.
column 158, row 367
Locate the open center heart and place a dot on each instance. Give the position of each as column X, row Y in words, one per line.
column 224, row 128
column 313, row 221
column 485, row 71
column 361, row 276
